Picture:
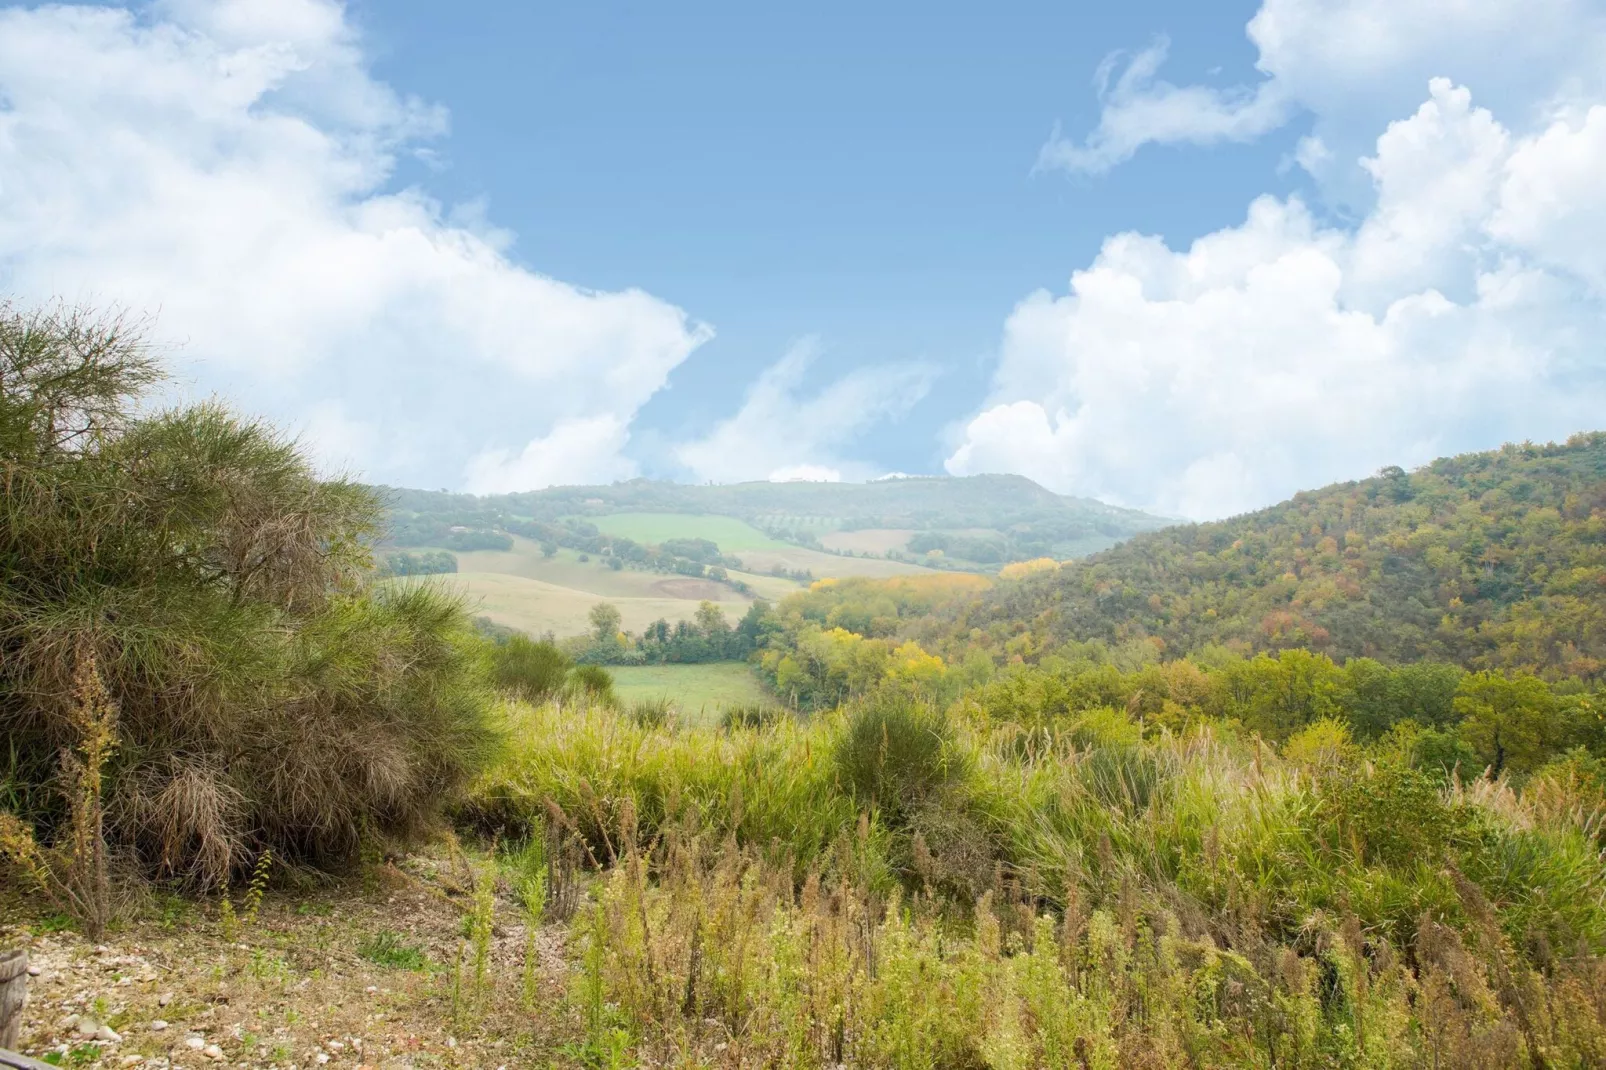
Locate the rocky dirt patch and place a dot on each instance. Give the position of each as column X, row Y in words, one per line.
column 376, row 972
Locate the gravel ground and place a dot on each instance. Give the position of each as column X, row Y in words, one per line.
column 304, row 984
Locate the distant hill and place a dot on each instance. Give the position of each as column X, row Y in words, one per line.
column 1491, row 559
column 972, row 521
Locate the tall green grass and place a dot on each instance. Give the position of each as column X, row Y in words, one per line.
column 886, row 886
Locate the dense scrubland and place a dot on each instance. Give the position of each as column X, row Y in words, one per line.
column 1322, row 786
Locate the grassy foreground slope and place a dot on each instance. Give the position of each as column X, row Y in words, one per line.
column 1492, row 560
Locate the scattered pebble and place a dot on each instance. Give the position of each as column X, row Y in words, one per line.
column 34, row 971
column 195, row 1043
column 108, row 1035
column 213, row 1052
column 323, row 1057
column 132, row 1060
column 157, row 1025
column 164, row 999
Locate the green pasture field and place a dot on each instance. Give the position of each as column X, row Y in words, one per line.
column 732, row 535
column 701, row 691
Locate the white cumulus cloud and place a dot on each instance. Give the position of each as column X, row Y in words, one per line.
column 780, row 432
column 1463, row 310
column 228, row 166
column 1139, row 107
column 1352, row 65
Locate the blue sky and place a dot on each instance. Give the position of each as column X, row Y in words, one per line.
column 864, row 177
column 496, row 246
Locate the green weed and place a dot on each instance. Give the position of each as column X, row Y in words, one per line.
column 390, row 949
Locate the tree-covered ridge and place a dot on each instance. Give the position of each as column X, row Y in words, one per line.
column 1029, row 520
column 1492, row 560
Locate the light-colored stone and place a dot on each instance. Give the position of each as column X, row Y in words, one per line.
column 109, row 1035
column 195, row 1043
column 213, row 1052
column 164, row 999
column 157, row 1025
column 86, row 1027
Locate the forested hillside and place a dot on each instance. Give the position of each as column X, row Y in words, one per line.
column 1491, row 560
column 986, row 519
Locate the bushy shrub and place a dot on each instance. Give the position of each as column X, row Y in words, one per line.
column 531, row 670
column 895, row 753
column 267, row 699
column 595, row 683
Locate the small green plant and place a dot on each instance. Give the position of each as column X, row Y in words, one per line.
column 607, row 1041
column 267, row 967
column 527, row 869
column 72, row 874
column 228, row 921
column 258, row 886
column 389, row 949
column 472, row 980
column 478, row 924
column 171, row 910
column 77, row 1055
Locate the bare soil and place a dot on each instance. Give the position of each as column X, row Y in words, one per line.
column 692, row 589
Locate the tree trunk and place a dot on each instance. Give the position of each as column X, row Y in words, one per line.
column 13, row 994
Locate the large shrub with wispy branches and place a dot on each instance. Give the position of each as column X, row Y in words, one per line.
column 267, row 697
